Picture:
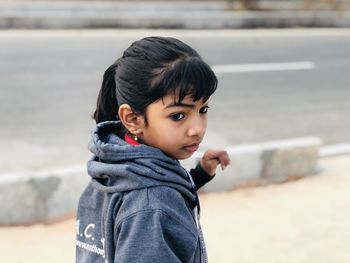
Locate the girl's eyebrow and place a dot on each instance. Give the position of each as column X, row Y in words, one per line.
column 180, row 104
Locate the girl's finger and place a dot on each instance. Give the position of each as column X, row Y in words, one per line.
column 219, row 156
column 224, row 158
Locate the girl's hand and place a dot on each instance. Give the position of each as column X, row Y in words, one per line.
column 212, row 158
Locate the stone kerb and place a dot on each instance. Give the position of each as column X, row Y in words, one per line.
column 41, row 196
column 47, row 195
column 265, row 163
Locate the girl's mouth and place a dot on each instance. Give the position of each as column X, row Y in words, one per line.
column 192, row 147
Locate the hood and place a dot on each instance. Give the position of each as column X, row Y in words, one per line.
column 119, row 167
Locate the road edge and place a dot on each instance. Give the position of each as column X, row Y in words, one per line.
column 30, row 197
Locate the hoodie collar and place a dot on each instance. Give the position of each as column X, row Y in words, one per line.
column 118, row 166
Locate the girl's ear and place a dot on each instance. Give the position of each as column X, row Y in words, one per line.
column 132, row 121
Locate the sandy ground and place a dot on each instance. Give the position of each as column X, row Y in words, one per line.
column 296, row 222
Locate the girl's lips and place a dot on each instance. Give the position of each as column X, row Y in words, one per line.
column 192, row 147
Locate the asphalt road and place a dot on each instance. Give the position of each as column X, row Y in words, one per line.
column 49, row 83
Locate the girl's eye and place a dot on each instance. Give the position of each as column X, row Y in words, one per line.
column 177, row 116
column 204, row 109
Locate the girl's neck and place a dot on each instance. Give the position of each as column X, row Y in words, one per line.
column 130, row 140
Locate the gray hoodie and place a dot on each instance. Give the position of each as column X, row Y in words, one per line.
column 139, row 205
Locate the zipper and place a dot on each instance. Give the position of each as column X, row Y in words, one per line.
column 196, row 211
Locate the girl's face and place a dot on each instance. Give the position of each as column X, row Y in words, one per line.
column 176, row 129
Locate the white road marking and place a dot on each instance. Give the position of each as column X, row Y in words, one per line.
column 239, row 68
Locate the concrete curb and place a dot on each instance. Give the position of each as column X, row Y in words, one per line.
column 27, row 198
column 187, row 15
column 32, row 197
column 333, row 150
column 265, row 163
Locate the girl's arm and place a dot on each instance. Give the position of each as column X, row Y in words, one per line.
column 205, row 169
column 199, row 176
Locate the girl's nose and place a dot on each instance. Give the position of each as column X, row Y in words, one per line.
column 197, row 128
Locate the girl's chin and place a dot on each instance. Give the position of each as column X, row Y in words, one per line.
column 185, row 156
column 180, row 155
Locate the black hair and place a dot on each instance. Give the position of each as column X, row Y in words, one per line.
column 150, row 69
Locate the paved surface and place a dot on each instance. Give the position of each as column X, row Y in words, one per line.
column 296, row 222
column 50, row 79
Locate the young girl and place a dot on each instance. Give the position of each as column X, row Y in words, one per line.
column 141, row 205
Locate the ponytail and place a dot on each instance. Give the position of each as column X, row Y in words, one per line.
column 107, row 105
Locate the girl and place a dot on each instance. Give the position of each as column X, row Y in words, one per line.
column 141, row 205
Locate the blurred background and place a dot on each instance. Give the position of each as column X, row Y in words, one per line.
column 283, row 69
